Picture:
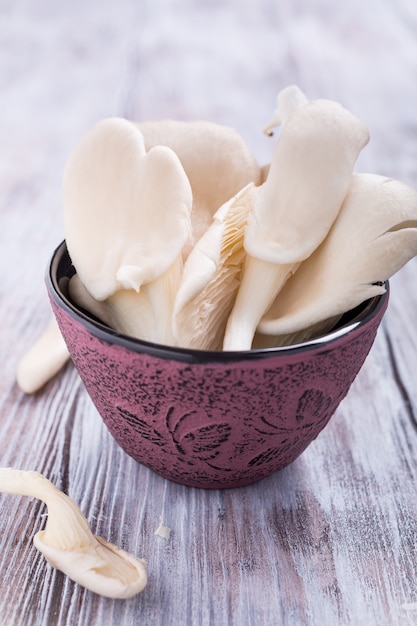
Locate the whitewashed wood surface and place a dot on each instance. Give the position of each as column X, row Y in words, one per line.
column 330, row 540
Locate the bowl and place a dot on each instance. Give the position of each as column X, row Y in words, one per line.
column 212, row 419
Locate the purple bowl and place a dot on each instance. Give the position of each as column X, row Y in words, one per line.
column 212, row 419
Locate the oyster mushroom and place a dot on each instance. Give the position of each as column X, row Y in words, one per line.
column 217, row 161
column 43, row 360
column 69, row 545
column 127, row 219
column 152, row 310
column 289, row 100
column 211, row 277
column 295, row 207
column 374, row 235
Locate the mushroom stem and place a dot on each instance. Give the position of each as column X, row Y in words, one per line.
column 66, row 527
column 146, row 314
column 261, row 282
column 43, row 360
column 161, row 296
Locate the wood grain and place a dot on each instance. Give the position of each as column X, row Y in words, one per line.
column 330, row 540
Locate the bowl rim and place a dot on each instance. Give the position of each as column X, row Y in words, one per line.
column 60, row 258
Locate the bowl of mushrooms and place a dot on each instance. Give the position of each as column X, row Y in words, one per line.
column 218, row 311
column 212, row 419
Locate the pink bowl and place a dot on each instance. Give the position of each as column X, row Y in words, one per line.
column 212, row 419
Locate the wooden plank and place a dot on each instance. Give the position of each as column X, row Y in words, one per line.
column 330, row 539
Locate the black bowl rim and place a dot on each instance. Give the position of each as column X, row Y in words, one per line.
column 368, row 311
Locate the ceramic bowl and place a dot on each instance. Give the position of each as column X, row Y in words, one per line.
column 212, row 419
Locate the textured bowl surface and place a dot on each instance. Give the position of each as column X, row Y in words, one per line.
column 211, row 419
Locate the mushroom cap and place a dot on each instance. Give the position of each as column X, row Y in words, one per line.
column 216, row 159
column 100, row 567
column 374, row 235
column 123, row 207
column 308, row 179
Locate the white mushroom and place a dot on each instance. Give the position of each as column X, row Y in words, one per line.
column 127, row 219
column 217, row 161
column 43, row 360
column 69, row 545
column 154, row 320
column 289, row 100
column 374, row 235
column 294, row 209
column 211, row 277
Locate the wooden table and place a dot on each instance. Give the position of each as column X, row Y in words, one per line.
column 332, row 539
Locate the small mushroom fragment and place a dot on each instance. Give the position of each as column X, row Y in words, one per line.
column 295, row 207
column 217, row 161
column 127, row 219
column 69, row 545
column 288, row 100
column 374, row 235
column 163, row 531
column 211, row 277
column 43, row 360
